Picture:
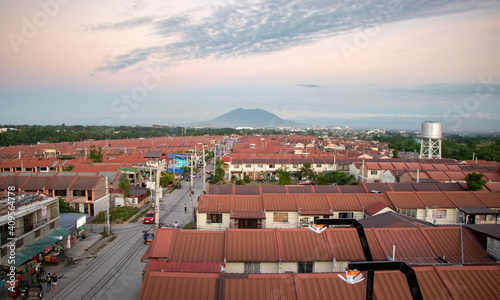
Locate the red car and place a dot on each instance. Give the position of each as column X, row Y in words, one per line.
column 149, row 218
column 307, row 182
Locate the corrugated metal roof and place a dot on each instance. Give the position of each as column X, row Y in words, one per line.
column 428, row 187
column 174, row 286
column 435, row 199
column 391, row 285
column 301, row 245
column 367, row 200
column 313, row 204
column 344, row 244
column 84, row 183
column 327, row 286
column 405, row 200
column 471, row 282
column 279, row 202
column 168, row 266
column 300, row 189
column 330, row 189
column 344, row 202
column 350, row 189
column 273, row 189
column 411, row 246
column 493, row 186
column 402, row 187
column 379, row 187
column 60, row 182
column 431, row 284
column 219, row 189
column 214, row 204
column 161, row 243
column 465, row 199
column 446, row 242
column 36, row 183
column 449, row 186
column 246, row 190
column 251, row 245
column 491, row 200
column 262, row 287
column 197, row 246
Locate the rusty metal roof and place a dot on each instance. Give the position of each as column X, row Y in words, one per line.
column 435, row 199
column 345, row 244
column 303, row 245
column 251, row 245
column 344, row 202
column 446, row 242
column 405, row 200
column 313, row 204
column 85, row 182
column 465, row 199
column 411, row 245
column 246, row 190
column 276, row 202
column 491, row 200
column 261, row 286
column 214, row 204
column 471, row 282
column 161, row 242
column 177, row 285
column 197, row 246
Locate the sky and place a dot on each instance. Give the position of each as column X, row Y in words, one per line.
column 358, row 63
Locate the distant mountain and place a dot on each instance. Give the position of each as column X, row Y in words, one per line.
column 251, row 118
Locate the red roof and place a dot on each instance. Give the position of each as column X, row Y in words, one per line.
column 405, row 200
column 251, row 245
column 176, row 285
column 303, row 245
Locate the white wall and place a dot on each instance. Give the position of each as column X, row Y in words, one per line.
column 269, row 267
column 101, row 204
column 322, row 267
column 201, row 222
column 340, row 266
column 235, row 267
column 356, row 214
column 451, row 216
column 289, row 267
column 292, row 221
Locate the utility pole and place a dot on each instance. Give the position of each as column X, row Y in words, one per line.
column 192, row 189
column 108, row 224
column 204, row 173
column 157, row 197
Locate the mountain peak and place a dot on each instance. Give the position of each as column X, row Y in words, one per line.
column 256, row 117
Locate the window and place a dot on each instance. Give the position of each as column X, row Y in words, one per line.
column 295, row 166
column 330, row 165
column 346, row 215
column 374, row 172
column 260, row 166
column 439, row 214
column 271, row 166
column 409, row 212
column 214, row 218
column 236, row 166
column 248, row 166
column 252, row 268
column 319, row 166
column 280, row 217
column 376, row 181
column 305, row 267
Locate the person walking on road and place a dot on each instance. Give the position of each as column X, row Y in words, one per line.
column 185, row 208
column 176, row 225
column 48, row 279
column 54, row 281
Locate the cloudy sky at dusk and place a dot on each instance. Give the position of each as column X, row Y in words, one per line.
column 371, row 64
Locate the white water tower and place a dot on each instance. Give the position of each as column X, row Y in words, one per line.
column 430, row 146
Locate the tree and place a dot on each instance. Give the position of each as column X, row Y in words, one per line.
column 474, row 181
column 234, row 178
column 166, row 179
column 124, row 186
column 284, row 177
column 395, row 153
column 246, row 179
column 96, row 155
column 306, row 171
column 65, row 207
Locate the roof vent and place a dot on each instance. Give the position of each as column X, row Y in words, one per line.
column 375, row 192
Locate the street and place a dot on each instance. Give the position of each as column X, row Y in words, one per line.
column 115, row 272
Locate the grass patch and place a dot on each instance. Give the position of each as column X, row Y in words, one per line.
column 190, row 226
column 118, row 214
column 140, row 215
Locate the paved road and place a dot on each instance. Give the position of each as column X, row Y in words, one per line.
column 115, row 272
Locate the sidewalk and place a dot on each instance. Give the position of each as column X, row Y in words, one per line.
column 79, row 251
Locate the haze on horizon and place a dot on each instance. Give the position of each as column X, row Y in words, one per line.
column 373, row 63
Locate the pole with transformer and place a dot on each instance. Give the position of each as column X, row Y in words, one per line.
column 157, row 198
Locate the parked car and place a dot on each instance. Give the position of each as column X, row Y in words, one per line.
column 307, row 182
column 149, row 218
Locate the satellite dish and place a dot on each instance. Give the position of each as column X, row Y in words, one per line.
column 352, row 277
